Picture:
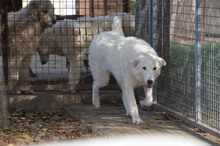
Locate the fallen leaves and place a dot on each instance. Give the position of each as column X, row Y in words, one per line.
column 145, row 126
column 38, row 127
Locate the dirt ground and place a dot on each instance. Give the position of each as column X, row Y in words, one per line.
column 85, row 122
column 110, row 120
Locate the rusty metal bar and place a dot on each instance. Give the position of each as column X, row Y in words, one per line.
column 91, row 8
column 126, row 6
column 5, row 45
column 106, row 7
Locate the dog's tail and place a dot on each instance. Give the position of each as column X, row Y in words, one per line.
column 117, row 25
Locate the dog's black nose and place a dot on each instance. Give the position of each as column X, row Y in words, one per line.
column 149, row 82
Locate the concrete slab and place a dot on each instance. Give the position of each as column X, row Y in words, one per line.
column 111, row 121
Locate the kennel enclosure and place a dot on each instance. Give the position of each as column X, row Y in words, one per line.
column 184, row 32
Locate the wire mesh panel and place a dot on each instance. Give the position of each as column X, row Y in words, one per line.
column 5, row 6
column 44, row 55
column 210, row 71
column 3, row 97
column 177, row 81
column 186, row 35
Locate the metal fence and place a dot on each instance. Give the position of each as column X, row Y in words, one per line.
column 58, row 61
column 186, row 34
column 35, row 58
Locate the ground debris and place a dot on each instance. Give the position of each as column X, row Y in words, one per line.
column 38, row 127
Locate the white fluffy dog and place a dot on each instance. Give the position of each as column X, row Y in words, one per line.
column 71, row 38
column 132, row 61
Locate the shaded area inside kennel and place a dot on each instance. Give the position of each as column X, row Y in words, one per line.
column 54, row 74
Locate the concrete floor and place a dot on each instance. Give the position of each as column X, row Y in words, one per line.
column 111, row 121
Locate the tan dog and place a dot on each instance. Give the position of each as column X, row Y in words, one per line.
column 25, row 29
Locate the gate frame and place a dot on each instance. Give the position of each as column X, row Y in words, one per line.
column 196, row 122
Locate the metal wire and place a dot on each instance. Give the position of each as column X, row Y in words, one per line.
column 3, row 97
column 187, row 37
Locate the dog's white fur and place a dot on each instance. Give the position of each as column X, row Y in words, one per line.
column 25, row 29
column 71, row 38
column 132, row 61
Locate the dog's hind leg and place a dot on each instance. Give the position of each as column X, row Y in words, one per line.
column 74, row 71
column 13, row 71
column 101, row 79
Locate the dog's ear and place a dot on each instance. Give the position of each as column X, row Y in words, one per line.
column 162, row 61
column 135, row 62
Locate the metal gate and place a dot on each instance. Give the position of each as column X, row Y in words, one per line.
column 186, row 34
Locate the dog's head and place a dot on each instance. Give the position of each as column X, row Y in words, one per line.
column 42, row 11
column 147, row 68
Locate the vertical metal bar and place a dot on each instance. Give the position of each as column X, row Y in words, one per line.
column 91, row 8
column 137, row 17
column 203, row 19
column 126, row 6
column 154, row 23
column 77, row 7
column 4, row 64
column 150, row 24
column 106, row 7
column 198, row 61
column 5, row 45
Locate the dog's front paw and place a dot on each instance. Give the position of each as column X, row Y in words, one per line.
column 96, row 103
column 137, row 121
column 143, row 103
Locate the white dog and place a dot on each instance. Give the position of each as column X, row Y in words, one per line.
column 72, row 38
column 132, row 61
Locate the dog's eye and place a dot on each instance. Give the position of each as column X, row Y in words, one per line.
column 44, row 11
column 154, row 68
column 144, row 68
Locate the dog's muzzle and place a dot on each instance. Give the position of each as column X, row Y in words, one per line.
column 149, row 83
column 44, row 25
column 53, row 22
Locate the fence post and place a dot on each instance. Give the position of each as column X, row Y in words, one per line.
column 150, row 24
column 198, row 61
column 154, row 23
